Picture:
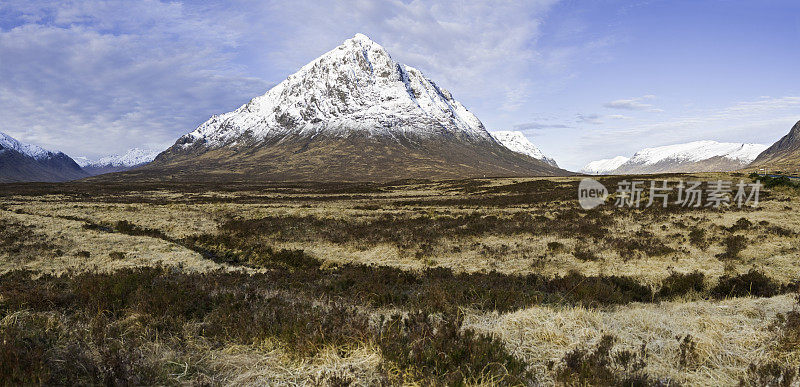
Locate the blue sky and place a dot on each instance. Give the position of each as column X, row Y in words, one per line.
column 582, row 79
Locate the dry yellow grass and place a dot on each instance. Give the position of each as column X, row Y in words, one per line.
column 71, row 239
column 729, row 335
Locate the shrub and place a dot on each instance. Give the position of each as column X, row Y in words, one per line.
column 771, row 373
column 442, row 353
column 603, row 366
column 697, row 237
column 734, row 244
column 44, row 349
column 753, row 283
column 83, row 254
column 787, row 327
column 22, row 244
column 773, row 182
column 688, row 356
column 555, row 246
column 267, row 257
column 677, row 284
column 229, row 249
column 741, row 224
column 581, row 253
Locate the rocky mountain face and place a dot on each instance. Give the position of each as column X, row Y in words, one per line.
column 25, row 163
column 131, row 159
column 517, row 142
column 783, row 155
column 698, row 156
column 353, row 114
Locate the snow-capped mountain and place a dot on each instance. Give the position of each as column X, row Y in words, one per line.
column 351, row 114
column 8, row 142
column 517, row 142
column 697, row 156
column 604, row 166
column 354, row 87
column 133, row 158
column 21, row 162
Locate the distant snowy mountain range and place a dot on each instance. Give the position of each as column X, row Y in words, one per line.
column 117, row 163
column 517, row 142
column 23, row 162
column 20, row 162
column 697, row 156
column 8, row 142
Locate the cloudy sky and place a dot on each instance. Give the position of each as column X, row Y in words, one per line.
column 582, row 79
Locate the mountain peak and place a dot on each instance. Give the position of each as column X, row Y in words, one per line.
column 699, row 150
column 351, row 114
column 356, row 87
column 359, row 42
column 361, row 38
column 26, row 162
column 517, row 142
column 34, row 151
column 131, row 158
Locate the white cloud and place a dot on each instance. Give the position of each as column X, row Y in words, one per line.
column 99, row 76
column 96, row 77
column 593, row 119
column 633, row 104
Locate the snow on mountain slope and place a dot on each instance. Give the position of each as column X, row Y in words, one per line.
column 604, row 166
column 353, row 114
column 354, row 87
column 697, row 156
column 23, row 162
column 34, row 151
column 517, row 142
column 133, row 157
column 697, row 151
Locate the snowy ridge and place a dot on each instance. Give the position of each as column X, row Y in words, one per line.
column 34, row 151
column 517, row 142
column 133, row 157
column 604, row 166
column 354, row 87
column 697, row 151
column 697, row 156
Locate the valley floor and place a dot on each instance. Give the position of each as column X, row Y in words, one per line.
column 487, row 281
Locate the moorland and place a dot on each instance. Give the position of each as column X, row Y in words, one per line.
column 480, row 281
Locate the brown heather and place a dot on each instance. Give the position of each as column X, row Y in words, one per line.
column 483, row 281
